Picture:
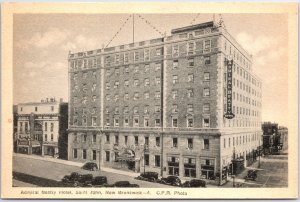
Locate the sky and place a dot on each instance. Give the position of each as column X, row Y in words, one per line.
column 42, row 42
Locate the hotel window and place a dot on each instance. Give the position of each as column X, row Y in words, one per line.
column 190, row 108
column 206, row 143
column 174, row 123
column 35, row 109
column 126, row 69
column 157, row 66
column 224, row 143
column 174, row 108
column 94, row 120
column 116, row 139
column 175, row 51
column 147, row 140
column 94, row 98
column 190, row 122
column 46, row 126
column 116, row 84
column 157, row 141
column 146, row 95
column 117, row 71
column 206, row 92
column 126, row 122
column 174, row 94
column 136, row 140
column 126, row 139
column 146, row 159
column 116, row 122
column 157, row 161
column 107, row 85
column 206, row 123
column 94, row 87
column 126, row 110
column 107, row 122
column 157, row 122
column 136, row 82
column 94, row 154
column 157, row 109
column 206, row 108
column 136, row 96
column 175, row 79
column 126, row 58
column 191, row 62
column 107, row 110
column 147, row 82
column 51, row 137
column 175, row 142
column 117, row 110
column 159, row 51
column 190, row 143
column 136, row 56
column 146, row 109
column 107, row 139
column 147, row 54
column 147, row 67
column 207, row 60
column 190, row 93
column 75, row 153
column 135, row 110
column 191, row 78
column 46, row 137
column 136, row 69
column 84, row 120
column 126, row 96
column 191, row 48
column 117, row 59
column 107, row 61
column 136, row 122
column 175, row 64
column 157, row 80
column 116, row 98
column 84, row 137
column 206, row 76
column 157, row 95
column 94, row 137
column 51, row 127
column 146, row 122
column 107, row 97
column 189, row 167
column 126, row 83
column 107, row 156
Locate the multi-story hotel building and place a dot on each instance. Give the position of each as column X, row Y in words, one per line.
column 159, row 105
column 42, row 128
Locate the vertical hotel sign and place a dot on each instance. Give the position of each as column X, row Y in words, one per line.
column 229, row 114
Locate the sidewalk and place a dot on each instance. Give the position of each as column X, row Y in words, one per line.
column 77, row 164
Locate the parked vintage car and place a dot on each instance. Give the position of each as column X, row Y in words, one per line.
column 194, row 183
column 90, row 166
column 148, row 176
column 124, row 184
column 251, row 175
column 99, row 181
column 75, row 179
column 171, row 180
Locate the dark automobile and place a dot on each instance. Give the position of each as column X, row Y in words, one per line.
column 124, row 184
column 194, row 183
column 76, row 179
column 251, row 175
column 148, row 176
column 99, row 181
column 90, row 166
column 171, row 180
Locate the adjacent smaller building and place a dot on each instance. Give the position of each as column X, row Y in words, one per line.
column 274, row 138
column 42, row 128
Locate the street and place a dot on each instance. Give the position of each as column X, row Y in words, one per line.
column 273, row 172
column 56, row 171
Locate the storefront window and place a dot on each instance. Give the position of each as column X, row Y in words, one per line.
column 189, row 167
column 173, row 165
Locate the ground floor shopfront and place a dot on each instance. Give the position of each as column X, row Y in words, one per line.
column 187, row 155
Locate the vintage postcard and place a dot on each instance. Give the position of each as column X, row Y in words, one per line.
column 149, row 100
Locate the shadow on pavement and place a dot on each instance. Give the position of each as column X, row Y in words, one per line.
column 39, row 181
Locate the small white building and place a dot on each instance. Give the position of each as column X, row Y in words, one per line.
column 41, row 127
